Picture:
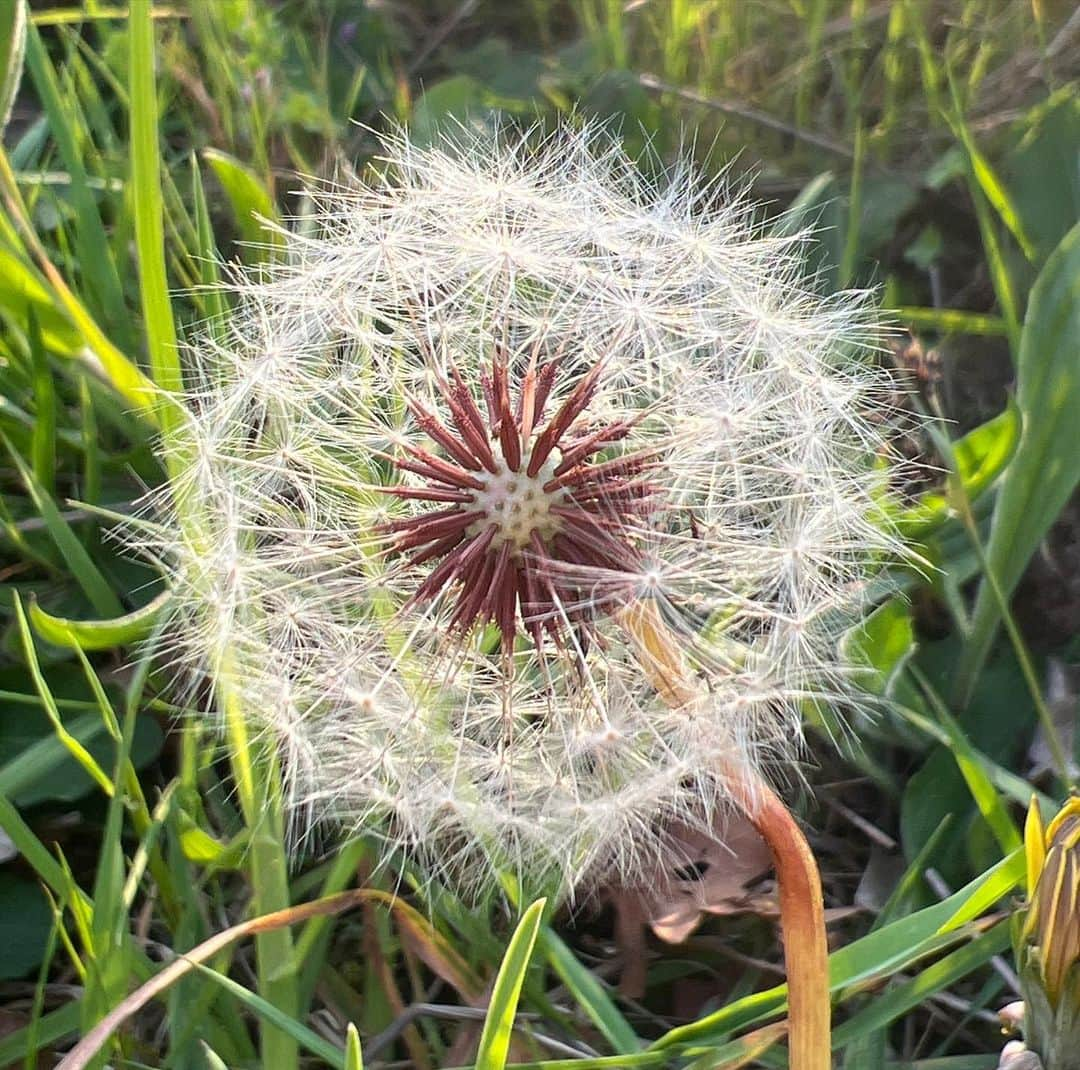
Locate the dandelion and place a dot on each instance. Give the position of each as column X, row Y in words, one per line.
column 1046, row 942
column 532, row 496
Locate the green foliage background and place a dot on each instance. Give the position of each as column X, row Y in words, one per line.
column 935, row 142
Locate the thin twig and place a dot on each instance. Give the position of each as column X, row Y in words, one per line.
column 868, row 828
column 744, row 111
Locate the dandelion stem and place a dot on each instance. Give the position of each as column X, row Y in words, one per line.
column 802, row 909
column 802, row 914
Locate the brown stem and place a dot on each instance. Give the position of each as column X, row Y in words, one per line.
column 802, row 910
column 802, row 915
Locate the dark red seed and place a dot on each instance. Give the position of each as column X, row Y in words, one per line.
column 443, row 470
column 630, row 465
column 429, row 494
column 430, row 530
column 553, row 585
column 571, row 409
column 433, row 428
column 410, row 523
column 437, row 549
column 587, row 446
column 453, row 566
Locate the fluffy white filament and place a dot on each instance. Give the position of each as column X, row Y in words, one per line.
column 760, row 397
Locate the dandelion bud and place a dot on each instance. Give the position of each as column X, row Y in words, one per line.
column 504, row 415
column 1047, row 938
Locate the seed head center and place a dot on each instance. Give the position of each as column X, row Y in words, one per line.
column 518, row 504
column 528, row 520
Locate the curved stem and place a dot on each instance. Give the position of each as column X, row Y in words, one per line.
column 802, row 915
column 802, row 909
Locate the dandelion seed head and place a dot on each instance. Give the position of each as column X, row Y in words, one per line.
column 501, row 394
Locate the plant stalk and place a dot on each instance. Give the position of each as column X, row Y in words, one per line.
column 802, row 909
column 259, row 790
column 802, row 915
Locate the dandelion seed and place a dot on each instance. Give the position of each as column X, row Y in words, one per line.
column 532, row 498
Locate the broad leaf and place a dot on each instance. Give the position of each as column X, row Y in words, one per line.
column 1046, row 468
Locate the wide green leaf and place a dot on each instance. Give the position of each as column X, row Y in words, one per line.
column 880, row 645
column 250, row 201
column 1046, row 467
column 1041, row 171
column 25, row 923
column 980, row 457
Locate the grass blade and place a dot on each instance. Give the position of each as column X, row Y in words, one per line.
column 74, row 747
column 83, row 570
column 354, row 1059
column 878, row 954
column 582, row 985
column 38, row 760
column 589, row 993
column 83, row 1052
column 986, row 179
column 212, row 294
column 498, row 1026
column 13, row 23
column 21, row 290
column 38, row 857
column 147, row 205
column 1000, row 273
column 102, row 356
column 43, row 440
column 304, row 1037
column 982, row 790
column 889, row 1006
column 258, row 779
column 46, row 1030
column 99, row 634
column 101, row 279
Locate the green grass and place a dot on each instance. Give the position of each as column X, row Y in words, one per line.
column 138, row 152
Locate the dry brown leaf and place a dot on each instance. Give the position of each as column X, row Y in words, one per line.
column 704, row 874
column 710, row 875
column 437, row 953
